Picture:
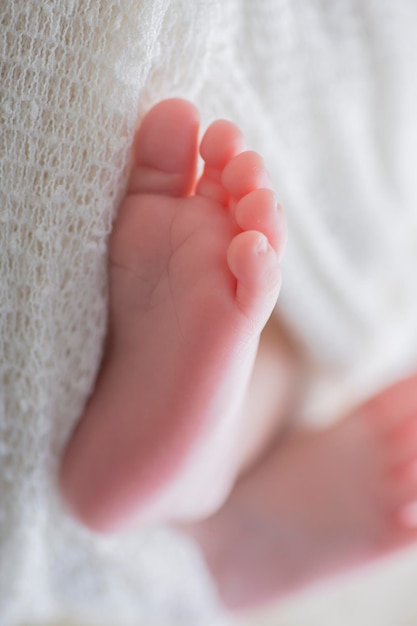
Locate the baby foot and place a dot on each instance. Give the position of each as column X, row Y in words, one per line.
column 194, row 275
column 320, row 504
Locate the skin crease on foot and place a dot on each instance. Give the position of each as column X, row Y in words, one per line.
column 193, row 278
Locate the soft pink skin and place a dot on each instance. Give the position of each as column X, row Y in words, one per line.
column 318, row 504
column 311, row 505
column 194, row 276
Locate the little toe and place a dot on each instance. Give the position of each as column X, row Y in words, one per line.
column 255, row 265
column 165, row 149
column 259, row 210
column 245, row 173
column 221, row 142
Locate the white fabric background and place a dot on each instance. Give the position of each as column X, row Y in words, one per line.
column 326, row 90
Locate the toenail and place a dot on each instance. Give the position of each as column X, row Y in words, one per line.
column 265, row 178
column 262, row 245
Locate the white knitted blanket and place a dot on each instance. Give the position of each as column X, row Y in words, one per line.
column 326, row 91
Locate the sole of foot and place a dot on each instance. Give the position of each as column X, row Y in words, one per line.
column 194, row 274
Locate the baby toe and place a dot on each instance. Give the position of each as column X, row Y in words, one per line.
column 255, row 265
column 245, row 173
column 221, row 142
column 165, row 150
column 259, row 210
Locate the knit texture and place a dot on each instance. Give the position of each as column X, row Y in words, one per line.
column 74, row 76
column 326, row 92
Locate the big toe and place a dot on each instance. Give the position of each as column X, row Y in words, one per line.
column 165, row 149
